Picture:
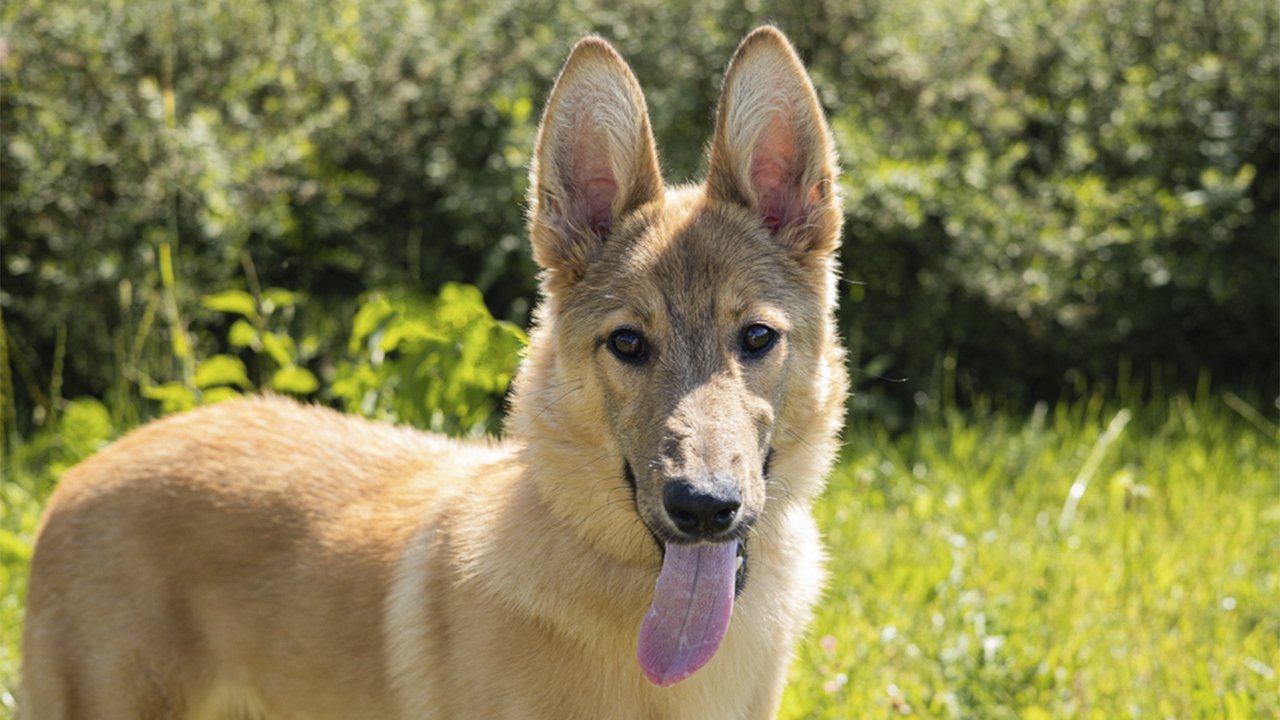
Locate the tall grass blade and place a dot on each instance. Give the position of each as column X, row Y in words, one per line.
column 1090, row 467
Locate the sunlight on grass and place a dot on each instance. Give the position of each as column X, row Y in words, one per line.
column 955, row 594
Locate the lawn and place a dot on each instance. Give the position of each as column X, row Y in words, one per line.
column 961, row 588
column 968, row 580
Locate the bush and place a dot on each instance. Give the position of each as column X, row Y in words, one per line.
column 1064, row 188
column 1037, row 190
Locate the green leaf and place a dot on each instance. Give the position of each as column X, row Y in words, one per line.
column 242, row 334
column 85, row 423
column 84, row 426
column 219, row 394
column 232, row 301
column 280, row 347
column 173, row 396
column 294, row 380
column 222, row 370
column 368, row 319
column 275, row 298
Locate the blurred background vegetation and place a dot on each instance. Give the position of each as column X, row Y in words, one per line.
column 1061, row 255
column 1040, row 193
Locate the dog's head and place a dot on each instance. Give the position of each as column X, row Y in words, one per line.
column 686, row 351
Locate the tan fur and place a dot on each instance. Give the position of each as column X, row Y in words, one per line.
column 259, row 558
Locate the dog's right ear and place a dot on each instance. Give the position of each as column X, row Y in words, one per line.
column 595, row 160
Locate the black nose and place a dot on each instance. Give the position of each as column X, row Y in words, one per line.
column 701, row 512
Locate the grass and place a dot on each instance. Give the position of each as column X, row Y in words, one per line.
column 959, row 588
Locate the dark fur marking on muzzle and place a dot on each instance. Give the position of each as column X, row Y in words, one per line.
column 629, row 475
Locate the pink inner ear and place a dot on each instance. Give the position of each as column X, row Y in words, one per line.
column 770, row 182
column 598, row 194
column 592, row 183
column 774, row 164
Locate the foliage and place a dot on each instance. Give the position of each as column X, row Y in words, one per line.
column 260, row 330
column 442, row 364
column 238, row 145
column 1054, row 189
column 1037, row 190
column 953, row 592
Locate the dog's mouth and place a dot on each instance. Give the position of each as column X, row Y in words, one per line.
column 740, row 538
column 692, row 603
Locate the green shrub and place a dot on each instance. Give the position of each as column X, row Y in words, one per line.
column 1038, row 190
column 1056, row 189
column 442, row 364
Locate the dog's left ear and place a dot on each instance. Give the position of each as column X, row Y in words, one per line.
column 772, row 150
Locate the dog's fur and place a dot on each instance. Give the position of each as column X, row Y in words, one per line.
column 259, row 558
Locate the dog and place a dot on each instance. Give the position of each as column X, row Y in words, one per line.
column 640, row 545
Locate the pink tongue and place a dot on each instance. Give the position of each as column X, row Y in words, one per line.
column 691, row 607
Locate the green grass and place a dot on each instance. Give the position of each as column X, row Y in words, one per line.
column 955, row 590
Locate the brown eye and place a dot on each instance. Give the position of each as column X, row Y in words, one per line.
column 757, row 339
column 628, row 345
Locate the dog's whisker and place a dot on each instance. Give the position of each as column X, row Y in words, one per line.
column 562, row 383
column 562, row 396
column 814, row 451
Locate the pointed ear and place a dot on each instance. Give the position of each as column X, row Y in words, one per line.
column 594, row 161
column 772, row 150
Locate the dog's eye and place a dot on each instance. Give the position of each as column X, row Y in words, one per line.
column 757, row 338
column 628, row 345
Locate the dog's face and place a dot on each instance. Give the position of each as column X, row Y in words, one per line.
column 693, row 318
column 692, row 326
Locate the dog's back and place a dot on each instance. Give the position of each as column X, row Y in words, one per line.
column 200, row 554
